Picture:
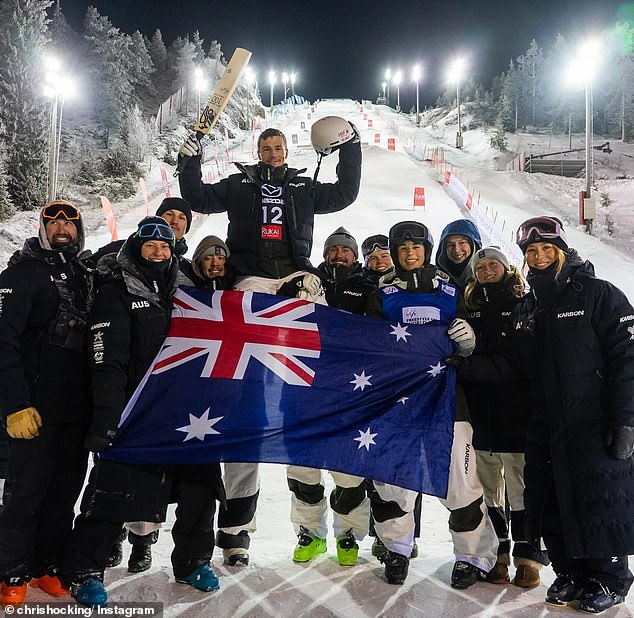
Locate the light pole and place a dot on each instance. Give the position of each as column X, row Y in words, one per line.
column 200, row 84
column 457, row 69
column 284, row 82
column 416, row 78
column 587, row 65
column 397, row 81
column 57, row 87
column 272, row 82
column 249, row 77
column 388, row 74
column 293, row 78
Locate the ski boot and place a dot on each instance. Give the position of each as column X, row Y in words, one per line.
column 308, row 546
column 12, row 592
column 563, row 590
column 596, row 598
column 140, row 558
column 465, row 575
column 396, row 567
column 90, row 591
column 347, row 549
column 202, row 578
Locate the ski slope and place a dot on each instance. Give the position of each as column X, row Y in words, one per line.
column 272, row 585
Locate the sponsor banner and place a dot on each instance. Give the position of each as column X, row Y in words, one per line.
column 419, row 196
column 106, row 205
column 166, row 186
column 391, row 143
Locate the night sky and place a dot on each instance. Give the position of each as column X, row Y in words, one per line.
column 342, row 48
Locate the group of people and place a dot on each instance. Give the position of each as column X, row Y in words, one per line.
column 544, row 421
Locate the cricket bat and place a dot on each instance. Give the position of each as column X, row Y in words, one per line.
column 220, row 96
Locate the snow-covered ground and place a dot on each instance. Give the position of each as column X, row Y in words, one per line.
column 272, row 585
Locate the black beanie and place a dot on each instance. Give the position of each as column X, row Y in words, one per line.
column 150, row 228
column 176, row 203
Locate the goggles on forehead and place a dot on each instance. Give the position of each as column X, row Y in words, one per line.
column 157, row 231
column 56, row 210
column 371, row 244
column 544, row 228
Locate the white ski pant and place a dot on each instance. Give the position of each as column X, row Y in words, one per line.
column 351, row 507
column 241, row 480
column 474, row 538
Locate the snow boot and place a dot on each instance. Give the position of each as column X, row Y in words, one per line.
column 140, row 558
column 202, row 578
column 51, row 584
column 396, row 567
column 563, row 590
column 465, row 575
column 596, row 598
column 116, row 555
column 308, row 546
column 499, row 574
column 90, row 591
column 347, row 549
column 235, row 556
column 12, row 592
column 526, row 576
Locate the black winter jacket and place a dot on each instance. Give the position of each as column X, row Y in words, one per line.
column 584, row 329
column 39, row 365
column 346, row 287
column 499, row 414
column 240, row 197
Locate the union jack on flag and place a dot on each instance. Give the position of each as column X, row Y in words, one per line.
column 249, row 377
column 229, row 333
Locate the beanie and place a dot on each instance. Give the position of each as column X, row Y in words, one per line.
column 151, row 228
column 342, row 237
column 209, row 245
column 176, row 203
column 492, row 253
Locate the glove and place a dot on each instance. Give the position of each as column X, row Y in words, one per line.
column 462, row 334
column 453, row 361
column 311, row 284
column 95, row 443
column 621, row 442
column 191, row 147
column 24, row 424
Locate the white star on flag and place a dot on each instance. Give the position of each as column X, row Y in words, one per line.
column 436, row 369
column 365, row 439
column 400, row 332
column 630, row 330
column 361, row 381
column 402, row 400
column 199, row 427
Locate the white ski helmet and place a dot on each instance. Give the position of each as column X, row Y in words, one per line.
column 329, row 133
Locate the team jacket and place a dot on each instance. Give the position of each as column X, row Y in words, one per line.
column 346, row 287
column 42, row 348
column 240, row 197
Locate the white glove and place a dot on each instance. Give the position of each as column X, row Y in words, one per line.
column 462, row 334
column 191, row 147
column 311, row 284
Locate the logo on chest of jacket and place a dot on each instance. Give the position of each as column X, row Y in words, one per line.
column 296, row 184
column 353, row 293
column 390, row 289
column 571, row 314
column 140, row 304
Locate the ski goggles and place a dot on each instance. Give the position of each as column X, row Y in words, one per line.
column 540, row 229
column 374, row 243
column 56, row 210
column 156, row 231
column 410, row 230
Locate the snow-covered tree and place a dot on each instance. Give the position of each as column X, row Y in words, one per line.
column 137, row 134
column 7, row 209
column 23, row 39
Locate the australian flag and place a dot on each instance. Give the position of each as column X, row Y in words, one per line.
column 249, row 377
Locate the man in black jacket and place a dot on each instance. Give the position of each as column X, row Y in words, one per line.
column 271, row 210
column 43, row 306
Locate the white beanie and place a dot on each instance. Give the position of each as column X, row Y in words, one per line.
column 493, row 253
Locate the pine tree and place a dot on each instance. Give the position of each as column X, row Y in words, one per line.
column 23, row 38
column 110, row 69
column 7, row 209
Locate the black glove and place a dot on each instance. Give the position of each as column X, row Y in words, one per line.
column 621, row 442
column 95, row 443
column 453, row 361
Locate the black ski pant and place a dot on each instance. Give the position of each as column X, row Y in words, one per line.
column 612, row 572
column 89, row 547
column 44, row 478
